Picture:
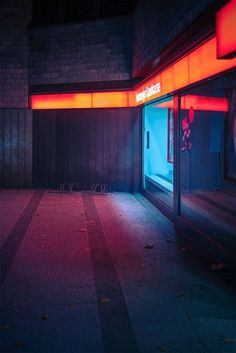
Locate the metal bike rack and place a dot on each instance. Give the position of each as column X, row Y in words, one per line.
column 101, row 189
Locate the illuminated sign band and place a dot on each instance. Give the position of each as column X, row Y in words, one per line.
column 148, row 92
column 225, row 31
column 197, row 65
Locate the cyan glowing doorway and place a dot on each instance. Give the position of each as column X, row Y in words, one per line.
column 158, row 152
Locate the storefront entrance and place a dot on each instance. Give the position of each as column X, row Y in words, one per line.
column 208, row 159
column 158, row 150
column 204, row 192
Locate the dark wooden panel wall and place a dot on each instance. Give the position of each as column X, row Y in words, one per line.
column 87, row 146
column 15, row 148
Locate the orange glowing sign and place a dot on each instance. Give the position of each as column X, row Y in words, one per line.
column 83, row 100
column 110, row 100
column 61, row 101
column 199, row 64
column 198, row 103
column 225, row 30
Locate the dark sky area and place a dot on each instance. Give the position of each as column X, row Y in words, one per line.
column 61, row 11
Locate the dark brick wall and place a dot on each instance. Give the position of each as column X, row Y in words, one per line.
column 157, row 23
column 14, row 18
column 82, row 52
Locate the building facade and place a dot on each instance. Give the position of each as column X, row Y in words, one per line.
column 143, row 102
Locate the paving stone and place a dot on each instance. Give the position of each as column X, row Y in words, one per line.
column 105, row 292
column 172, row 337
column 218, row 335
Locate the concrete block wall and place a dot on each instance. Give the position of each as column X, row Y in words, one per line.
column 157, row 23
column 14, row 18
column 81, row 52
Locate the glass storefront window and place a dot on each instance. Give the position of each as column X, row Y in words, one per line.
column 207, row 158
column 158, row 150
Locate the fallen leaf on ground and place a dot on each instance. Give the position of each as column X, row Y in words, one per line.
column 71, row 306
column 217, row 267
column 161, row 349
column 44, row 317
column 4, row 327
column 229, row 340
column 105, row 300
column 203, row 287
column 19, row 344
column 148, row 246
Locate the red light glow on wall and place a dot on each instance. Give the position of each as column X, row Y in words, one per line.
column 198, row 103
column 225, row 30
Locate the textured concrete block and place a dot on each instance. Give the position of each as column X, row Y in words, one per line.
column 156, row 23
column 14, row 19
column 85, row 52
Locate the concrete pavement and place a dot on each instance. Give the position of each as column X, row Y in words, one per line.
column 83, row 273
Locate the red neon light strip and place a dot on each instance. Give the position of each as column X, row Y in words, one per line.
column 198, row 103
column 61, row 101
column 83, row 100
column 225, row 30
column 200, row 64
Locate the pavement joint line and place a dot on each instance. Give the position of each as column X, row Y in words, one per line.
column 15, row 237
column 115, row 322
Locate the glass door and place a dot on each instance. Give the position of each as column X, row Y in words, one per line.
column 158, row 150
column 208, row 159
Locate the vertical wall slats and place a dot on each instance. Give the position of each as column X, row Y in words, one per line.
column 15, row 148
column 35, row 146
column 137, row 148
column 129, row 152
column 53, row 148
column 7, row 148
column 87, row 146
column 113, row 153
column 21, row 149
column 28, row 150
column 2, row 128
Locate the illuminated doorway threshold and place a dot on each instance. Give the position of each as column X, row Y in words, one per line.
column 160, row 181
